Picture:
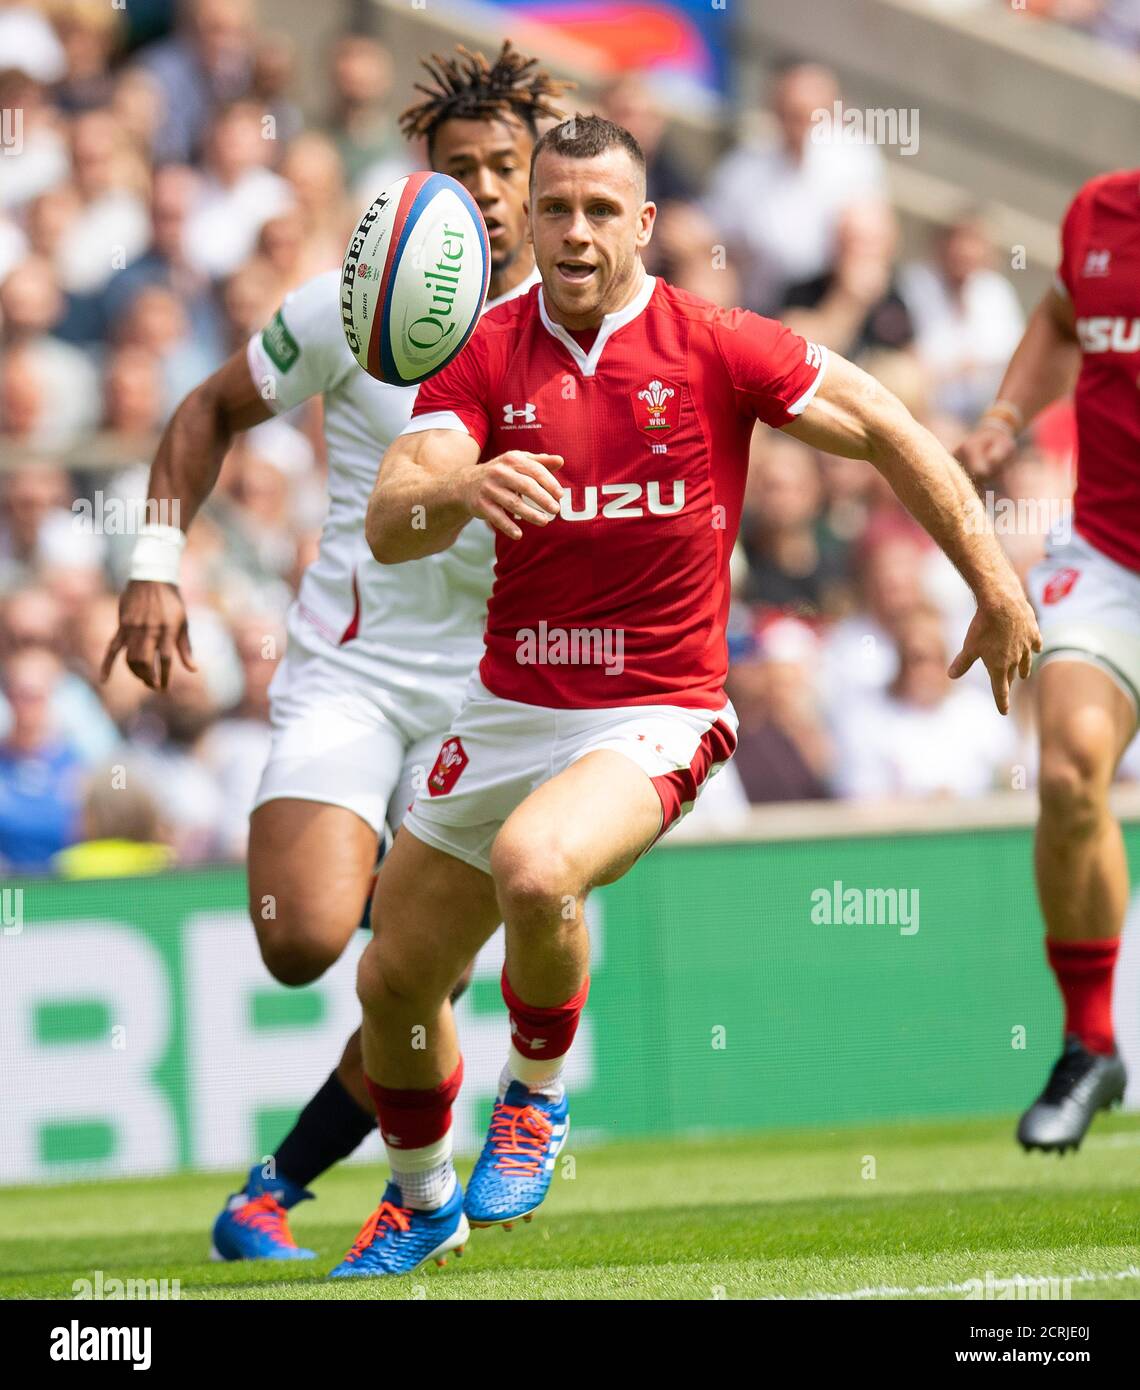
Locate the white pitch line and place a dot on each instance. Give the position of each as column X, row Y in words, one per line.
column 1017, row 1281
column 1113, row 1141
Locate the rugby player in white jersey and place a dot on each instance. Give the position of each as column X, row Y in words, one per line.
column 598, row 710
column 377, row 658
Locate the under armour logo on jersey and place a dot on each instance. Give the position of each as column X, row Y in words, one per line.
column 814, row 355
column 1096, row 263
column 527, row 414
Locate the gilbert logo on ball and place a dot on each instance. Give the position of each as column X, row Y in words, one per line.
column 414, row 278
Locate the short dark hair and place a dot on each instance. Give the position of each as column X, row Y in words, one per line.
column 586, row 137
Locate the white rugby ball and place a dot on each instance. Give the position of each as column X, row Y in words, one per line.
column 414, row 278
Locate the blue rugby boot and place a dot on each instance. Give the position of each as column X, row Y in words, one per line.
column 516, row 1167
column 397, row 1239
column 254, row 1224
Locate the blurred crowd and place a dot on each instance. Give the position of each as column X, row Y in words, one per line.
column 164, row 194
column 1115, row 22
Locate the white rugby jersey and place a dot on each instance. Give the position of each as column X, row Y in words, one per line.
column 424, row 617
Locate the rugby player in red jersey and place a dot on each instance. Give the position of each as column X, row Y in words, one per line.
column 601, row 425
column 1087, row 596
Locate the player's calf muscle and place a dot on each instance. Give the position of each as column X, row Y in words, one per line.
column 436, row 913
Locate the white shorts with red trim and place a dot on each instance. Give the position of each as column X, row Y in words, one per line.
column 1088, row 609
column 343, row 740
column 499, row 751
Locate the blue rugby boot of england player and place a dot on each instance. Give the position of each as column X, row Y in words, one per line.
column 254, row 1224
column 397, row 1239
column 516, row 1167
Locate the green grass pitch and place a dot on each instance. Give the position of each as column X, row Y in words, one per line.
column 791, row 1215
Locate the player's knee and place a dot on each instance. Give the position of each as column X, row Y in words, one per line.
column 371, row 979
column 534, row 880
column 386, row 980
column 295, row 952
column 1076, row 770
column 296, row 962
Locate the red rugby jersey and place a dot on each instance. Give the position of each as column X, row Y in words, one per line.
column 623, row 598
column 1100, row 272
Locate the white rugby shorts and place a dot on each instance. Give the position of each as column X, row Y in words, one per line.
column 339, row 738
column 499, row 751
column 1088, row 609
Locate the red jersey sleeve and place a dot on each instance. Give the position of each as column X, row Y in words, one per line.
column 457, row 396
column 774, row 371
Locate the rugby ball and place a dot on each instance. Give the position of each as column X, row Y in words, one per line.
column 414, row 278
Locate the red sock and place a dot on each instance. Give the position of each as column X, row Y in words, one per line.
column 543, row 1033
column 412, row 1119
column 1084, row 973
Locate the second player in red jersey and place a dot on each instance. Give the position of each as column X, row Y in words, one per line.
column 654, row 423
column 1087, row 594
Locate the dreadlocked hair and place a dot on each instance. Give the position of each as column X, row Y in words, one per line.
column 467, row 87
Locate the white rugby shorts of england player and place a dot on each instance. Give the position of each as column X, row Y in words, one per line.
column 1088, row 609
column 499, row 751
column 334, row 740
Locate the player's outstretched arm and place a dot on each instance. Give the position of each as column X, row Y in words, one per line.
column 152, row 617
column 200, row 433
column 853, row 415
column 431, row 484
column 1042, row 369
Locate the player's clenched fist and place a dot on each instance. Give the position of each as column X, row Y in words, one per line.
column 986, row 449
column 1003, row 636
column 152, row 627
column 515, row 486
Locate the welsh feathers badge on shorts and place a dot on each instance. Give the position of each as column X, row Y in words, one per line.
column 657, row 405
column 450, row 763
column 1060, row 585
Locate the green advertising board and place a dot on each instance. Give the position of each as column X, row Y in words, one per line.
column 735, row 986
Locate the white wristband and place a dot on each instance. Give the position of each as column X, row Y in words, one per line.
column 157, row 555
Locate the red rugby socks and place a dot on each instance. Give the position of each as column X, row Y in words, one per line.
column 1084, row 971
column 541, row 1038
column 416, row 1128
